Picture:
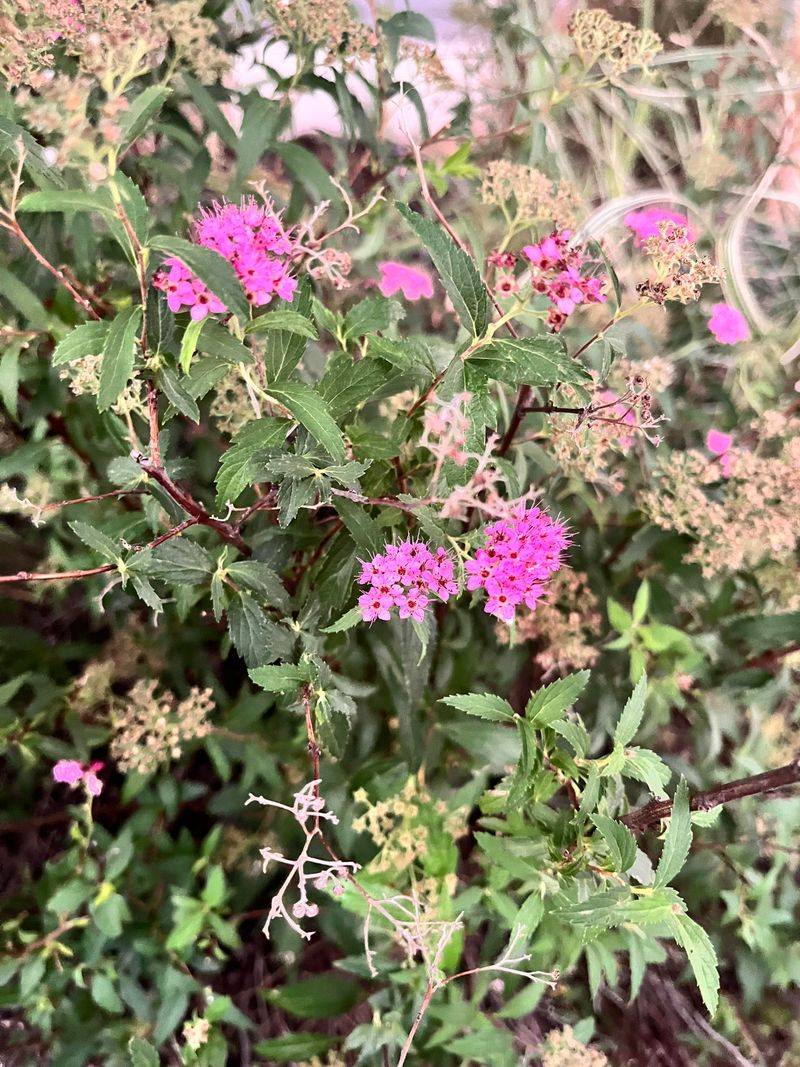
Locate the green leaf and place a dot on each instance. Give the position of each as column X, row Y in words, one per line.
column 621, row 842
column 191, row 335
column 285, row 348
column 210, row 110
column 105, row 995
column 34, row 162
column 262, row 579
column 142, row 1054
column 96, row 540
column 283, row 319
column 243, row 461
column 550, row 703
column 322, row 997
column 256, row 639
column 211, row 268
column 645, row 766
column 65, row 201
column 308, row 171
column 457, row 270
column 214, row 890
column 216, row 340
column 482, row 705
column 174, row 391
column 24, row 300
column 310, row 410
column 702, row 958
column 119, row 354
column 362, row 528
column 144, row 107
column 85, row 340
column 292, row 1048
column 632, row 713
column 678, row 838
column 179, row 561
column 372, row 315
column 278, row 679
column 528, row 361
column 619, row 618
column 347, row 621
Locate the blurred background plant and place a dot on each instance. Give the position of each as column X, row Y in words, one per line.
column 626, row 181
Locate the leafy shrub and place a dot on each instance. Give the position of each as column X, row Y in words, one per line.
column 401, row 553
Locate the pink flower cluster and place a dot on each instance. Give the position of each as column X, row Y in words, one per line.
column 72, row 772
column 519, row 556
column 645, row 223
column 404, row 577
column 250, row 236
column 557, row 273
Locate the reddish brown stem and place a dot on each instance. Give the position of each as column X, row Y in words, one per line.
column 60, row 576
column 183, row 498
column 754, row 785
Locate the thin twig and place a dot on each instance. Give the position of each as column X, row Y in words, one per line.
column 754, row 785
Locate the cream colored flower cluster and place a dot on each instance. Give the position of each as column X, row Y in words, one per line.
column 151, row 728
column 599, row 37
column 537, row 197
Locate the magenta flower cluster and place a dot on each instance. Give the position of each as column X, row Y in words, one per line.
column 405, row 577
column 558, row 274
column 250, row 236
column 71, row 772
column 519, row 555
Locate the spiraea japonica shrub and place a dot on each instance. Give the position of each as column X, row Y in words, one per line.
column 400, row 449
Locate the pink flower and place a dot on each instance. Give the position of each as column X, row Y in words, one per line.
column 412, row 282
column 557, row 274
column 404, row 577
column 250, row 236
column 71, row 772
column 720, row 444
column 519, row 556
column 728, row 324
column 645, row 223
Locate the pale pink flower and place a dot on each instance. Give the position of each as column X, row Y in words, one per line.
column 645, row 223
column 728, row 324
column 556, row 273
column 412, row 282
column 71, row 772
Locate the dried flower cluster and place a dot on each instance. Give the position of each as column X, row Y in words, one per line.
column 233, row 404
column 681, row 271
column 536, row 197
column 328, row 24
column 403, row 826
column 445, row 428
column 112, row 40
column 404, row 577
column 305, row 871
column 563, row 1049
column 600, row 38
column 565, row 625
column 740, row 506
column 518, row 557
column 83, row 378
column 250, row 236
column 152, row 728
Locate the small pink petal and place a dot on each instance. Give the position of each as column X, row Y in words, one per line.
column 68, row 770
column 728, row 324
column 718, row 442
column 412, row 282
column 92, row 783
